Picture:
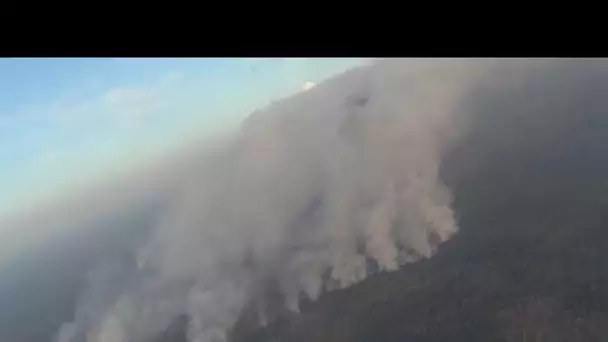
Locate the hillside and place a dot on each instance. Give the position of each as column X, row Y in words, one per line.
column 530, row 184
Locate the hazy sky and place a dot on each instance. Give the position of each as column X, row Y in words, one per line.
column 69, row 121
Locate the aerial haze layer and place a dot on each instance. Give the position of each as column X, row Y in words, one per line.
column 308, row 195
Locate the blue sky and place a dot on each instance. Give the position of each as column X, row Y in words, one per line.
column 69, row 121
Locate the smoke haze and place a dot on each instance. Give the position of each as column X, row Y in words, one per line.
column 313, row 193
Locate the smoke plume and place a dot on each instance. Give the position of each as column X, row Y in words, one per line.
column 311, row 194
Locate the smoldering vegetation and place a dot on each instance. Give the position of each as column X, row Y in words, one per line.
column 312, row 194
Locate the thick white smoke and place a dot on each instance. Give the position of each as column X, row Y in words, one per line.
column 307, row 193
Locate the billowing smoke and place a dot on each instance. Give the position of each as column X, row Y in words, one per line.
column 313, row 193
